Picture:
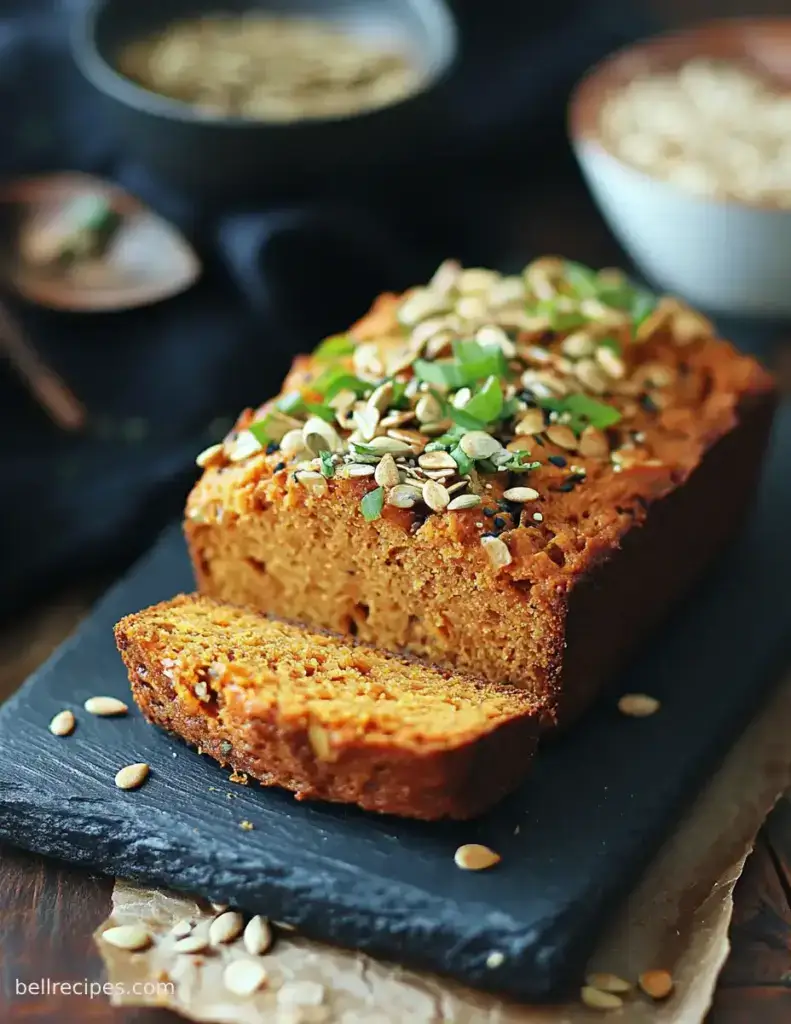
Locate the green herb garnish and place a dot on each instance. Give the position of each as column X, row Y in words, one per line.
column 334, row 347
column 486, row 405
column 372, row 504
column 584, row 281
column 642, row 306
column 335, row 379
column 613, row 345
column 327, row 465
column 463, row 418
column 560, row 319
column 260, row 431
column 456, row 373
column 463, row 462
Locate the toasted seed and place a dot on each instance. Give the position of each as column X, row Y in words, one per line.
column 63, row 723
column 226, row 927
column 479, row 445
column 127, row 936
column 380, row 397
column 653, row 323
column 544, row 383
column 445, row 277
column 191, row 944
column 420, row 305
column 689, row 325
column 612, row 364
column 435, row 495
column 437, row 346
column 590, row 376
column 491, row 334
column 258, row 936
column 578, row 345
column 474, row 857
column 507, row 291
column 366, row 361
column 521, row 494
column 436, row 460
column 104, row 706
column 655, row 375
column 562, row 436
column 656, row 984
column 181, row 928
column 396, row 419
column 593, row 444
column 596, row 999
column 292, row 443
column 531, row 423
column 403, row 496
column 606, row 982
column 428, row 409
column 471, row 307
column 356, row 469
column 211, row 456
column 537, row 354
column 301, row 993
column 342, row 401
column 435, row 429
column 132, row 776
column 497, row 551
column 312, row 481
column 464, row 501
column 475, row 280
column 520, row 444
column 391, row 445
column 245, row 445
column 386, row 474
column 638, row 705
column 366, row 419
column 495, row 959
column 244, row 977
column 320, row 436
column 411, row 438
column 220, row 908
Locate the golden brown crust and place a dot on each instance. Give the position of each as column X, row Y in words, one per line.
column 255, row 723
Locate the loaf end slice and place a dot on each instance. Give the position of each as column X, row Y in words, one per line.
column 326, row 717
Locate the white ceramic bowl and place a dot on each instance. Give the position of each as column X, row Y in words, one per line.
column 726, row 256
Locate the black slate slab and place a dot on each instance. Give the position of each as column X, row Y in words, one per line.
column 573, row 841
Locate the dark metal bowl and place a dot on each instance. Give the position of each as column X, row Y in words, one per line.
column 231, row 158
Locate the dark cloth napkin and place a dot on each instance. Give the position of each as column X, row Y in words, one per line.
column 162, row 383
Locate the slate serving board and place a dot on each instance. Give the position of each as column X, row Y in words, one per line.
column 573, row 840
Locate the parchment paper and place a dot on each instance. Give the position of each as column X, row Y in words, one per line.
column 676, row 919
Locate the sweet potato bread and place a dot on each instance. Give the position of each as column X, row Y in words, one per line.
column 511, row 476
column 324, row 716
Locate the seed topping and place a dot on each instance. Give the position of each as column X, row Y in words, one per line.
column 127, row 936
column 657, row 984
column 474, row 857
column 105, row 706
column 638, row 705
column 132, row 776
column 597, row 999
column 63, row 723
column 225, row 928
column 244, row 977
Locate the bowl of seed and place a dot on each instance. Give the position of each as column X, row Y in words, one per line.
column 684, row 142
column 257, row 96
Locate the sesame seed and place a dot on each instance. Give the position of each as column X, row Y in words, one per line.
column 558, row 460
column 638, row 705
column 105, row 706
column 521, row 494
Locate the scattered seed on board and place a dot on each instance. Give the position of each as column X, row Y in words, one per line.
column 521, row 494
column 191, row 944
column 181, row 928
column 220, row 907
column 63, row 723
column 226, row 927
column 638, row 705
column 127, row 936
column 132, row 776
column 244, row 977
column 495, row 959
column 105, row 706
column 210, row 455
column 596, row 999
column 656, row 984
column 474, row 857
column 497, row 551
column 301, row 993
column 606, row 982
column 258, row 936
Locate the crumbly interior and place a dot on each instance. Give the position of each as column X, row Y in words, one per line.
column 213, row 653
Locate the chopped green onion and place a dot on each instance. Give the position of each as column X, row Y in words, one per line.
column 327, row 465
column 372, row 504
column 463, row 418
column 597, row 414
column 399, row 400
column 365, row 449
column 260, row 430
column 334, row 347
column 454, row 374
column 291, row 403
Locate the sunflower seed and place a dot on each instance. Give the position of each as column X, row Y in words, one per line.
column 445, row 277
column 464, row 501
column 63, row 723
column 471, row 307
column 436, row 460
column 497, row 551
column 590, row 376
column 435, row 495
column 521, row 494
column 474, row 857
column 493, row 335
column 420, row 305
column 411, row 438
column 104, row 706
column 356, row 469
column 656, row 984
column 226, row 927
column 403, row 496
column 386, row 474
column 507, row 291
column 132, row 776
column 191, row 944
column 593, row 444
column 127, row 936
column 475, row 280
column 531, row 423
column 396, row 419
column 598, row 1000
column 428, row 409
column 578, row 345
column 479, row 445
column 391, row 445
column 562, row 436
column 242, row 447
column 638, row 705
column 211, row 456
column 244, row 977
column 606, row 982
column 435, row 429
column 258, row 936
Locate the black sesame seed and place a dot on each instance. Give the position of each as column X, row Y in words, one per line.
column 279, row 466
column 566, row 487
column 272, row 447
column 539, row 440
column 489, row 512
column 558, row 460
column 499, row 522
column 490, row 535
column 575, row 478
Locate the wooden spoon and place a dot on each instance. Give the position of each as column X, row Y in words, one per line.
column 142, row 260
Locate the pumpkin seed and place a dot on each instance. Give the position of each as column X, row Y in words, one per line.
column 521, row 494
column 596, row 999
column 391, row 445
column 105, row 706
column 403, row 496
column 606, row 982
column 437, row 460
column 562, row 436
column 479, row 445
column 386, row 474
column 435, row 495
column 464, row 501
